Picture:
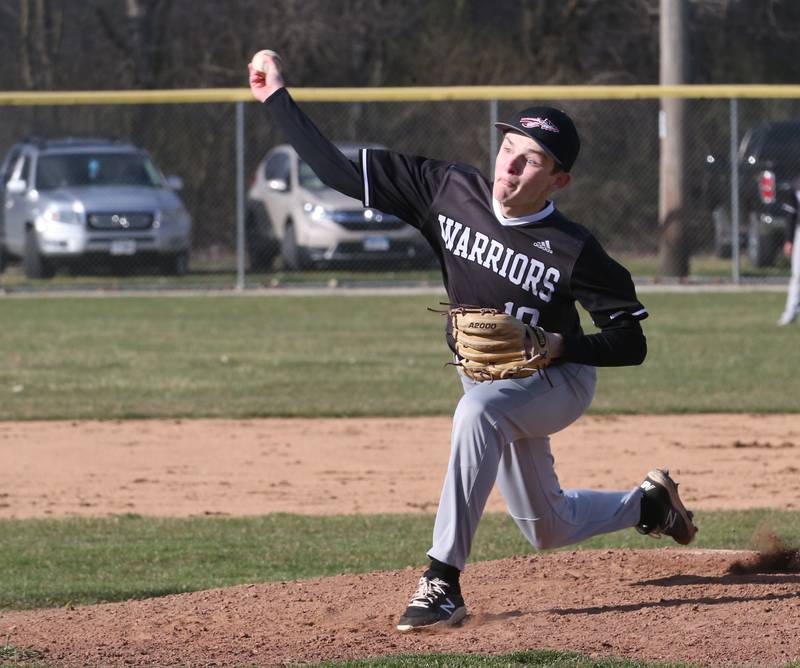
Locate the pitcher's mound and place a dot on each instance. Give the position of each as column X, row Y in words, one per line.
column 666, row 604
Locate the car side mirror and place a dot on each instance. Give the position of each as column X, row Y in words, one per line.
column 279, row 185
column 16, row 186
column 175, row 182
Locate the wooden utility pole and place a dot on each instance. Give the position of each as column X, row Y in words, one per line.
column 672, row 219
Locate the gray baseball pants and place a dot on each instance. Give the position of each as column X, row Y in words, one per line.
column 792, row 308
column 501, row 433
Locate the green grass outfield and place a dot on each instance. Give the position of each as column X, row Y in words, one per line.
column 338, row 355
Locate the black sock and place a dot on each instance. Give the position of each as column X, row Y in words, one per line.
column 438, row 569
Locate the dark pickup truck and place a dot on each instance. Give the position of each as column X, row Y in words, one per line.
column 769, row 161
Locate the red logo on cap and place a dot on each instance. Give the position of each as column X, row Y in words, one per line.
column 537, row 122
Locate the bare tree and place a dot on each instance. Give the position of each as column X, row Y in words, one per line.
column 173, row 44
column 40, row 30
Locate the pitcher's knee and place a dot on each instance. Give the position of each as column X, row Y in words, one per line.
column 470, row 407
column 549, row 541
column 473, row 413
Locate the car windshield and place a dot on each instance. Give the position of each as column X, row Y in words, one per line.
column 307, row 178
column 61, row 170
column 784, row 146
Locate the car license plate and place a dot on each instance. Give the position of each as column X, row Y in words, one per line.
column 376, row 244
column 123, row 247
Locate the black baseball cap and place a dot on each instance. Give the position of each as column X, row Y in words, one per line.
column 552, row 129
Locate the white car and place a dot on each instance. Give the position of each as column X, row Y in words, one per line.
column 71, row 200
column 291, row 213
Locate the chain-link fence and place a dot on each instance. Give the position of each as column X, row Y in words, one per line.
column 86, row 202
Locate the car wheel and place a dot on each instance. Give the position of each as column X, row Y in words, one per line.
column 262, row 247
column 33, row 263
column 722, row 233
column 294, row 256
column 762, row 248
column 176, row 264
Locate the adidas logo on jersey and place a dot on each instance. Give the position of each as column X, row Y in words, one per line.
column 543, row 245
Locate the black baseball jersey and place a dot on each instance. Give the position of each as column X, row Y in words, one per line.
column 535, row 268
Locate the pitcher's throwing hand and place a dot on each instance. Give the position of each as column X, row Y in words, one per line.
column 265, row 74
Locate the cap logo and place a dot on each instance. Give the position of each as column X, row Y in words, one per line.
column 543, row 123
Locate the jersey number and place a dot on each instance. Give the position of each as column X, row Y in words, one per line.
column 529, row 315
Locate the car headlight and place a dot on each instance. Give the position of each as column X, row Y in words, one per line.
column 58, row 214
column 317, row 211
column 176, row 216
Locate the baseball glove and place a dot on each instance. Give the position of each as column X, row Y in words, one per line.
column 491, row 345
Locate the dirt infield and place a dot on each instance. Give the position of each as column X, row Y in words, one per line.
column 670, row 604
column 251, row 467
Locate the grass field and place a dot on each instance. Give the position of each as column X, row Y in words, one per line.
column 240, row 356
column 235, row 356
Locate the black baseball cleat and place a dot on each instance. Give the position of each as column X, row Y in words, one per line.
column 663, row 513
column 435, row 602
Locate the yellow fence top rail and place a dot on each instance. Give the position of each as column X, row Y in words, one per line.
column 403, row 94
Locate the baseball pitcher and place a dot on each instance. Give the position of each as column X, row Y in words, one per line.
column 514, row 268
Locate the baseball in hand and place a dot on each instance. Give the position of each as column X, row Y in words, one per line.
column 260, row 62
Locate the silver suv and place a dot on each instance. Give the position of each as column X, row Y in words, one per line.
column 291, row 213
column 70, row 200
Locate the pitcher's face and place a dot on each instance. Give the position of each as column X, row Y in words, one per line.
column 524, row 176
